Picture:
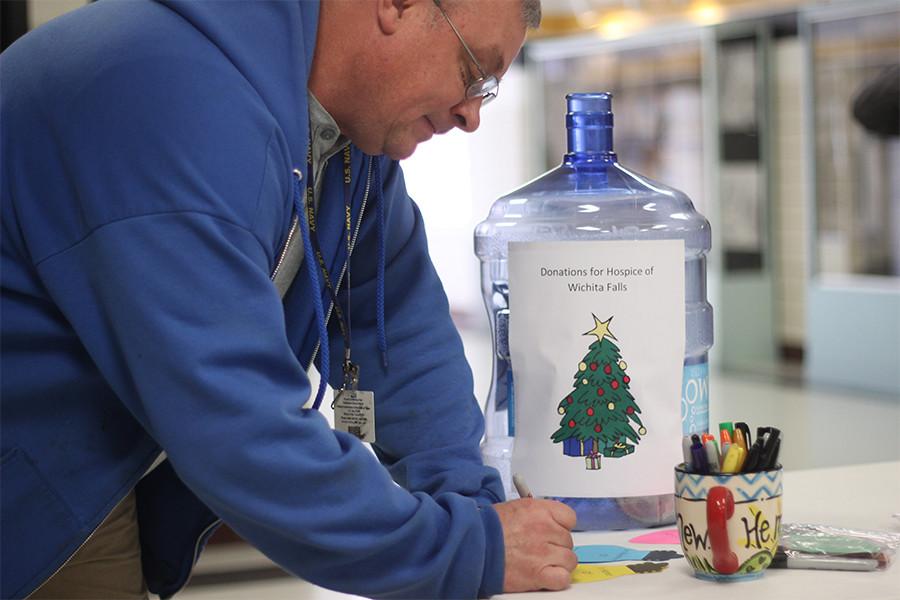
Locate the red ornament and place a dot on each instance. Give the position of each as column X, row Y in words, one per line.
column 590, row 412
column 614, row 384
column 607, row 369
column 598, row 428
column 600, row 391
column 569, row 399
column 572, row 423
column 630, row 410
column 626, row 379
column 593, row 366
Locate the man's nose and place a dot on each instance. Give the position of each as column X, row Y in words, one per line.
column 467, row 114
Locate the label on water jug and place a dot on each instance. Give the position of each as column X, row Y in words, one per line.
column 695, row 399
column 597, row 338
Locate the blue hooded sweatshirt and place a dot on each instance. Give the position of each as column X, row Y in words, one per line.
column 147, row 194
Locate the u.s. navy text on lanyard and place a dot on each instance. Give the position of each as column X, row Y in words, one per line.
column 354, row 409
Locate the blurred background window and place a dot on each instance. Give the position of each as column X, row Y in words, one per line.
column 857, row 158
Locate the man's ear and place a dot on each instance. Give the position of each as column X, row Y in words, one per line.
column 392, row 13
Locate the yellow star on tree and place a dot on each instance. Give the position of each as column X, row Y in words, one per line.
column 601, row 328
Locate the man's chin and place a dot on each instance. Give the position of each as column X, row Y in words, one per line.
column 399, row 151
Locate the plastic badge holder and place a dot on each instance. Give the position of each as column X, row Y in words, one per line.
column 623, row 206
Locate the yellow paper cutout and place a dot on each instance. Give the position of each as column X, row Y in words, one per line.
column 586, row 573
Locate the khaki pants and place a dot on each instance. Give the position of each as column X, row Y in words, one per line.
column 107, row 566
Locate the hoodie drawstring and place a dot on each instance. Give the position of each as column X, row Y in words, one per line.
column 312, row 270
column 379, row 283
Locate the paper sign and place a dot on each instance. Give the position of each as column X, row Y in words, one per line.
column 597, row 351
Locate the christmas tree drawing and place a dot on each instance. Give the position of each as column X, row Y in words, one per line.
column 597, row 415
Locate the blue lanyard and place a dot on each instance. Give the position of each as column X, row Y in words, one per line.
column 351, row 371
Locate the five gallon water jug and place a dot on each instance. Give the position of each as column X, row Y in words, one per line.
column 590, row 197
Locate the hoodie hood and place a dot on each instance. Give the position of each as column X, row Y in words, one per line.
column 235, row 28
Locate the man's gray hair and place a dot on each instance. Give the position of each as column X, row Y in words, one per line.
column 531, row 11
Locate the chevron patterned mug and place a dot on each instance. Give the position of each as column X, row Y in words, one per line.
column 729, row 524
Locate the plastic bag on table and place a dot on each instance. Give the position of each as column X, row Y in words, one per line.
column 810, row 540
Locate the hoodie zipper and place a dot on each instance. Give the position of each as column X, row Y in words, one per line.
column 294, row 225
column 93, row 532
column 292, row 232
column 287, row 244
column 281, row 256
column 196, row 556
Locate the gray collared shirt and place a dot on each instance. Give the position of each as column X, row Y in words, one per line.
column 326, row 140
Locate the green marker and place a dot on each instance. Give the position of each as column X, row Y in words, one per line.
column 729, row 427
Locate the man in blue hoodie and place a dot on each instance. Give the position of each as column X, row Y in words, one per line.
column 200, row 201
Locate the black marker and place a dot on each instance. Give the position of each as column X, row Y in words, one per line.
column 773, row 462
column 769, row 451
column 752, row 462
column 745, row 429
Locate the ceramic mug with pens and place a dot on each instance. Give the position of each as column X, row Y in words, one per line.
column 728, row 502
column 729, row 523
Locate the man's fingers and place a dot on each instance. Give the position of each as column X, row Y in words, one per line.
column 562, row 557
column 562, row 514
column 562, row 537
column 539, row 545
column 555, row 578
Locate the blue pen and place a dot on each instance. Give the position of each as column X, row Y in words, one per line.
column 698, row 456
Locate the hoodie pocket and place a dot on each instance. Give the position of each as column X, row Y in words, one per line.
column 36, row 525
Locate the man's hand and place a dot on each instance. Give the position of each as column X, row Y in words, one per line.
column 538, row 539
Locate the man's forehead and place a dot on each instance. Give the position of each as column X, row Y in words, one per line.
column 488, row 41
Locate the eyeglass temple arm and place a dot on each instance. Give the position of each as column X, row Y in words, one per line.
column 461, row 40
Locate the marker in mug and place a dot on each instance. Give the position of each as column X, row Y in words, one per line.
column 698, row 456
column 752, row 462
column 725, row 436
column 745, row 429
column 733, row 460
column 774, row 459
column 726, row 432
column 712, row 456
column 739, row 438
column 521, row 487
column 769, row 453
column 686, row 452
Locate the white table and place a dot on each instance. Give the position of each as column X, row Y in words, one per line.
column 859, row 497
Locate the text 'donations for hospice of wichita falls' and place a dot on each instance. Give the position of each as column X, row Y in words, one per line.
column 597, row 279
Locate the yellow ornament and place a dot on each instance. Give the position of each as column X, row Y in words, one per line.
column 611, row 406
column 623, row 365
column 582, row 366
column 584, row 381
column 561, row 410
column 642, row 431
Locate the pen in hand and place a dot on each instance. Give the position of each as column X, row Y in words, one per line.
column 521, row 487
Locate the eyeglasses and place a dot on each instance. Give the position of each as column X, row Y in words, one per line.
column 486, row 86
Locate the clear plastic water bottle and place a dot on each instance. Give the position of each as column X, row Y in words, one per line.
column 590, row 196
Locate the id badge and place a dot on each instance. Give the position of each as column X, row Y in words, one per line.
column 354, row 413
